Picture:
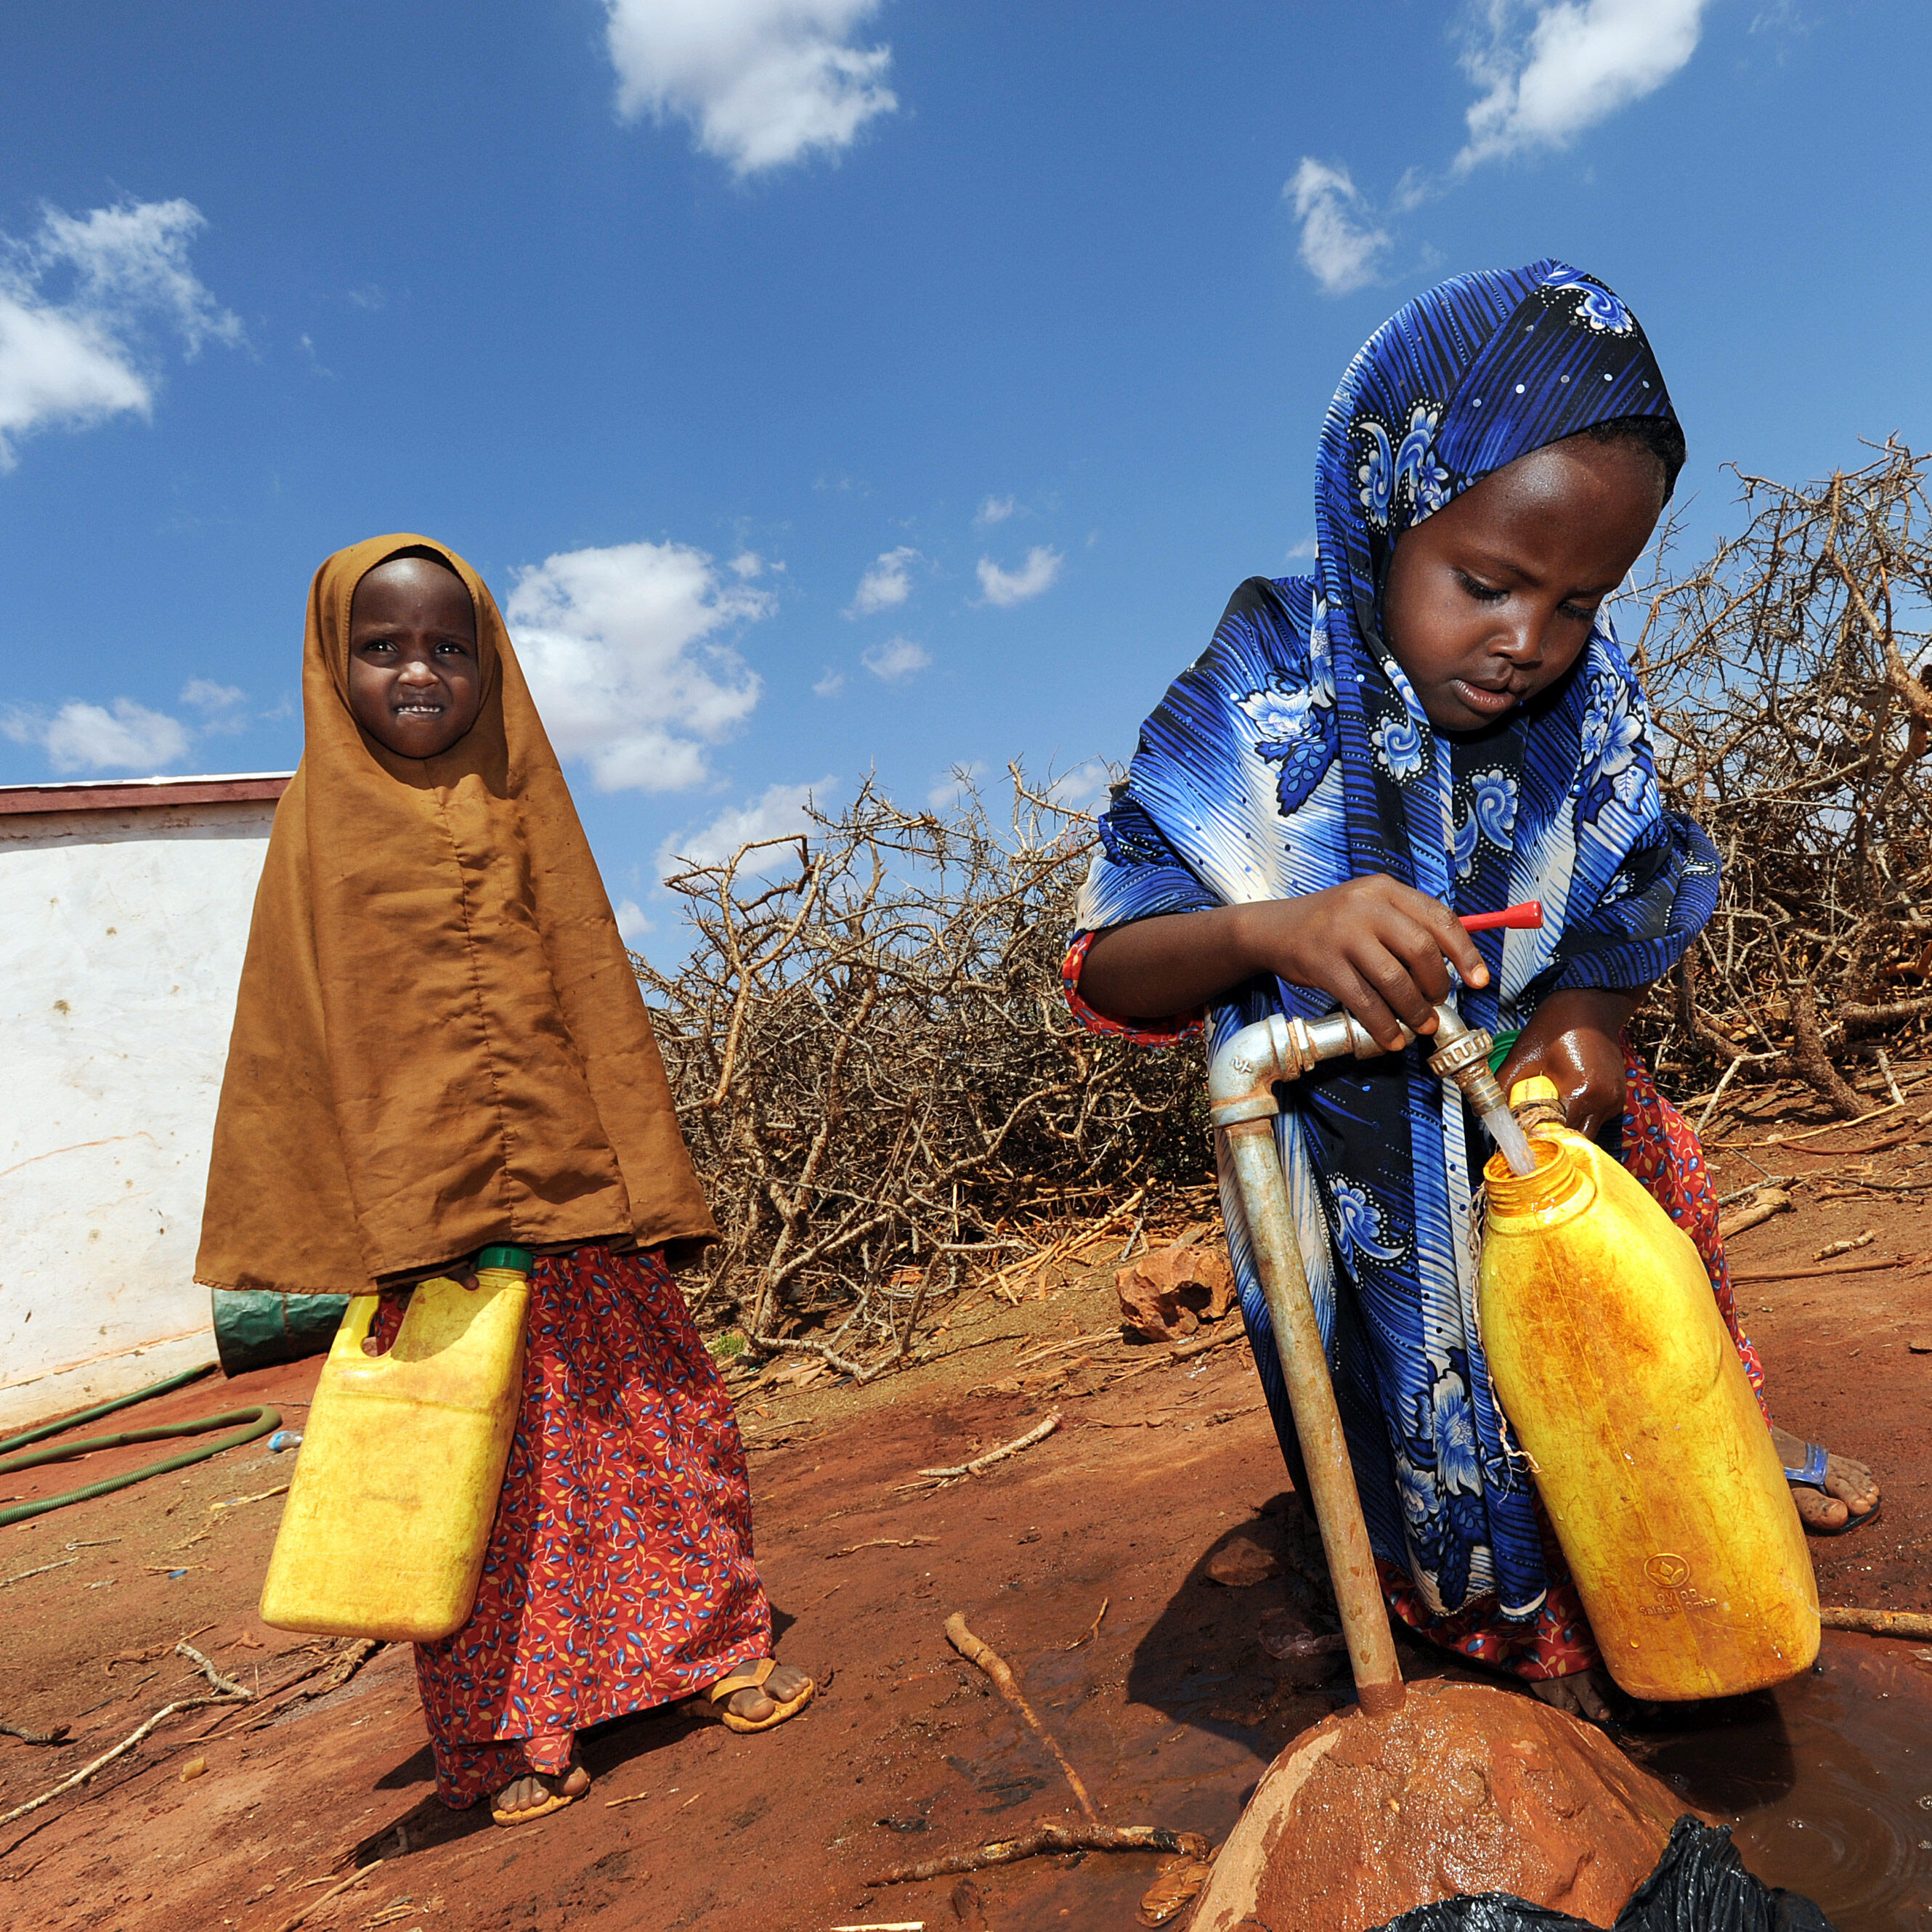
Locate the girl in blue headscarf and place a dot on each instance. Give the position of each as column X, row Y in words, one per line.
column 1438, row 721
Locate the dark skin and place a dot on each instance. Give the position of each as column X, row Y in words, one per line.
column 1490, row 602
column 416, row 679
column 416, row 685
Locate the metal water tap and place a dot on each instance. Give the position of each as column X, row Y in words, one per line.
column 1243, row 1075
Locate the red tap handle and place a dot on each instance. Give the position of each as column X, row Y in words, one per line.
column 1528, row 915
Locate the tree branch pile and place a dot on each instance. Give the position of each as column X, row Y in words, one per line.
column 1790, row 683
column 878, row 1077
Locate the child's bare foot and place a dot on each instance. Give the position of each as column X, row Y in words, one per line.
column 1585, row 1694
column 538, row 1795
column 1843, row 1491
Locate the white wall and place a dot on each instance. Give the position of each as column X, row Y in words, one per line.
column 121, row 933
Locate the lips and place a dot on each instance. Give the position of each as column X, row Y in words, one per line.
column 1483, row 699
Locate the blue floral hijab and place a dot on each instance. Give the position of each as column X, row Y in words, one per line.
column 1294, row 756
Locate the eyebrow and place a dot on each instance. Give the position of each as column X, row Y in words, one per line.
column 1495, row 561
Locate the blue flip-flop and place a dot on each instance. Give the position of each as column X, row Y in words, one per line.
column 1810, row 1474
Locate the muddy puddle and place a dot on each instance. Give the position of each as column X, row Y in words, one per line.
column 1827, row 1781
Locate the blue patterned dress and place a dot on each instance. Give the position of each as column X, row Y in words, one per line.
column 1294, row 756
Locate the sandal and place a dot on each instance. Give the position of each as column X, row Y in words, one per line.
column 553, row 1800
column 1810, row 1474
column 751, row 1677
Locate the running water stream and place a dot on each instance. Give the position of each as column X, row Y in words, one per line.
column 1512, row 1143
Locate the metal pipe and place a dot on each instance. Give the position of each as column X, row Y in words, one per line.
column 1241, row 1080
column 1318, row 1422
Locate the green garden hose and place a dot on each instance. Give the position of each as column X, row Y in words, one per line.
column 248, row 1424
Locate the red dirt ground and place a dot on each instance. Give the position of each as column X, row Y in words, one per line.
column 1171, row 1713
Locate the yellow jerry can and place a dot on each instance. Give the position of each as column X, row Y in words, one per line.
column 401, row 1464
column 1618, row 1378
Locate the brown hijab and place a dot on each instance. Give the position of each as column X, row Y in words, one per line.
column 438, row 1041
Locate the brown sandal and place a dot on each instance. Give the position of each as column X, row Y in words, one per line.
column 553, row 1801
column 751, row 1677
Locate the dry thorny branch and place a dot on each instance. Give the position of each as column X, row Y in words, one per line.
column 882, row 1085
column 878, row 1076
column 1791, row 690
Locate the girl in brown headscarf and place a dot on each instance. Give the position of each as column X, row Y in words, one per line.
column 439, row 1045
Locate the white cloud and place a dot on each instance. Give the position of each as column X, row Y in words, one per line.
column 632, row 925
column 995, row 510
column 206, row 696
column 778, row 812
column 1338, row 248
column 125, row 736
column 896, row 659
column 886, row 585
column 763, row 82
column 830, row 684
column 1302, row 551
column 947, row 792
column 1580, row 61
column 1037, row 574
column 78, row 303
column 621, row 648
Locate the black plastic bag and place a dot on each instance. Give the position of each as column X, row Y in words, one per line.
column 1700, row 1885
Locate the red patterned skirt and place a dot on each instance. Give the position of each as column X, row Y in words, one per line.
column 619, row 1574
column 1661, row 1148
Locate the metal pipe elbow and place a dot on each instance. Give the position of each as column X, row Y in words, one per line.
column 1243, row 1074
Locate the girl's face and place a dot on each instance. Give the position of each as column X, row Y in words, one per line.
column 1491, row 600
column 415, row 683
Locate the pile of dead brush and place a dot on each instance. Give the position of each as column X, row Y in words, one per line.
column 1790, row 682
column 879, row 1079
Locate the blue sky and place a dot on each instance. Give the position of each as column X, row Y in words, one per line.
column 687, row 319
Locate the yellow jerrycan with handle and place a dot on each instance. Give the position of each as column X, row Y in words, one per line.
column 1618, row 1378
column 401, row 1465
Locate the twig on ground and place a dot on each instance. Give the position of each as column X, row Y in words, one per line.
column 315, row 1904
column 1027, row 1357
column 1831, row 1249
column 1049, row 1838
column 27, row 1737
column 21, row 1575
column 1038, row 1433
column 1094, row 1629
column 635, row 1797
column 1770, row 1200
column 260, row 1496
column 1199, row 1345
column 343, row 1667
column 1818, row 1273
column 227, row 1691
column 1885, row 1073
column 882, row 1542
column 1876, row 1623
column 996, row 1667
column 1832, row 1126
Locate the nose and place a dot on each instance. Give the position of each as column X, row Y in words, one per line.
column 416, row 670
column 1521, row 641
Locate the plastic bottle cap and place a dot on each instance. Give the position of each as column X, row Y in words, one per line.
column 1538, row 1087
column 518, row 1260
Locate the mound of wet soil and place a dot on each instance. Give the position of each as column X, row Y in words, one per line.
column 1465, row 1788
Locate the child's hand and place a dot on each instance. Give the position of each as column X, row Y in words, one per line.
column 1382, row 949
column 1575, row 1040
column 1378, row 947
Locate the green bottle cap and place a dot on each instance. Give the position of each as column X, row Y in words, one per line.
column 518, row 1260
